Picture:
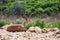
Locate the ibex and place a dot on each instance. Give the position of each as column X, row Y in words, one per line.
column 17, row 27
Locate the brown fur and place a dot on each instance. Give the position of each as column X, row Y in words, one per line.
column 26, row 20
column 17, row 27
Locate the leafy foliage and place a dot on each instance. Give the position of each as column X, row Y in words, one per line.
column 40, row 23
column 16, row 8
column 18, row 22
column 42, row 6
column 3, row 22
column 31, row 7
column 31, row 24
column 55, row 24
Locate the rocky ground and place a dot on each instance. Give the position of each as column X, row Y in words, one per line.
column 28, row 35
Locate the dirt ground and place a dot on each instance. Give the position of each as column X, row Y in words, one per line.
column 5, row 35
column 47, row 19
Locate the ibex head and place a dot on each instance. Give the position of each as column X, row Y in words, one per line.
column 26, row 20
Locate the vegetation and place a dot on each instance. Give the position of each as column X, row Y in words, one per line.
column 40, row 23
column 30, row 7
column 3, row 22
column 42, row 6
column 18, row 21
column 55, row 24
column 17, row 8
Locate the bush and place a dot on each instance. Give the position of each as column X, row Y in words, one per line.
column 40, row 23
column 31, row 7
column 6, row 1
column 2, row 8
column 31, row 24
column 16, row 8
column 3, row 22
column 18, row 22
column 55, row 24
column 42, row 6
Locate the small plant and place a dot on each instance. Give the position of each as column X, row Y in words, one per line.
column 55, row 24
column 31, row 24
column 18, row 21
column 40, row 23
column 3, row 22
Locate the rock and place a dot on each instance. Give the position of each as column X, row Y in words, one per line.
column 53, row 29
column 58, row 36
column 58, row 32
column 38, row 30
column 44, row 31
column 31, row 29
column 5, row 35
column 5, row 27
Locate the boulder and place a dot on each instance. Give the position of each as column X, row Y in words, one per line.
column 5, row 27
column 58, row 32
column 53, row 29
column 31, row 29
column 38, row 30
column 44, row 31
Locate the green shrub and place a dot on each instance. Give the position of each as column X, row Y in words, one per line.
column 31, row 7
column 15, row 8
column 18, row 22
column 40, row 23
column 42, row 6
column 3, row 22
column 31, row 24
column 55, row 24
column 7, row 1
column 2, row 8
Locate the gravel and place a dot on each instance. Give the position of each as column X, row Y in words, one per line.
column 5, row 35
